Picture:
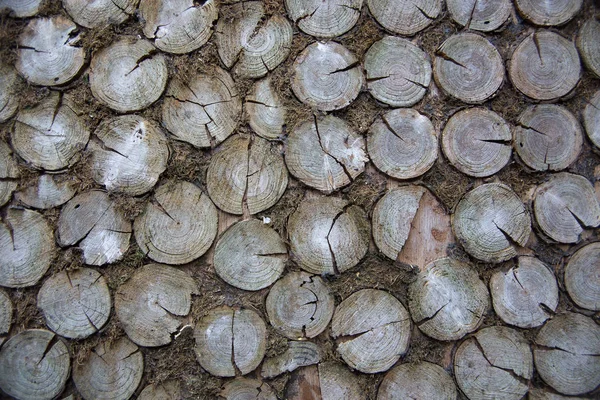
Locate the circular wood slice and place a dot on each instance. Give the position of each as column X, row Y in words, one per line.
column 477, row 142
column 112, row 371
column 99, row 13
column 26, row 248
column 128, row 75
column 299, row 354
column 178, row 26
column 448, row 300
column 169, row 390
column 299, row 305
column 490, row 221
column 564, row 206
column 6, row 314
column 480, row 15
column 51, row 135
column 246, row 172
column 250, row 255
column 325, row 20
column 591, row 119
column 327, row 76
column 403, row 143
column 525, row 295
column 34, row 364
column 230, row 341
column 265, row 110
column 588, row 43
column 398, row 72
column 582, row 277
column 251, row 43
column 178, row 226
column 405, row 17
column 9, row 86
column 422, row 380
column 49, row 191
column 92, row 222
column 130, row 154
column 21, row 8
column 567, row 354
column 325, row 153
column 548, row 137
column 495, row 363
column 9, row 173
column 247, row 389
column 152, row 303
column 47, row 54
column 329, row 381
column 75, row 303
column 328, row 235
column 545, row 66
column 203, row 110
column 373, row 330
column 548, row 13
column 467, row 66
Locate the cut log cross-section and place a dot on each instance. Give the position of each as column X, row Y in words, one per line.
column 48, row 191
column 247, row 389
column 99, row 13
column 405, row 17
column 6, row 314
column 21, row 8
column 422, row 380
column 9, row 173
column 591, row 119
column 324, row 19
column 548, row 13
column 588, row 43
column 9, row 97
column 582, row 277
column 327, row 381
column 480, row 15
column 169, row 390
column 299, row 354
column 265, row 110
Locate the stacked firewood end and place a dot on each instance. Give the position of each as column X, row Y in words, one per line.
column 299, row 199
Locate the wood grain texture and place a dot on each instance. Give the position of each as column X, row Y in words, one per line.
column 405, row 17
column 324, row 19
column 298, row 354
column 591, row 119
column 168, row 390
column 21, row 8
column 588, row 43
column 100, row 13
column 480, row 15
column 247, row 389
column 9, row 173
column 6, row 314
column 548, row 13
column 48, row 191
column 265, row 110
column 9, row 85
column 421, row 380
column 582, row 277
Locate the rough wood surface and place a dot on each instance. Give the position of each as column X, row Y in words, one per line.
column 6, row 314
column 246, row 174
column 324, row 19
column 21, row 8
column 373, row 330
column 75, row 303
column 405, row 17
column 588, row 43
column 298, row 354
column 178, row 26
column 247, row 389
column 128, row 75
column 495, row 363
column 130, row 154
column 491, row 222
column 250, row 255
column 51, row 135
column 548, row 13
column 567, row 354
column 9, row 85
column 548, row 137
column 252, row 44
column 179, row 224
column 545, row 66
column 545, row 394
column 48, row 191
column 525, row 295
column 92, row 222
column 325, row 153
column 591, row 119
column 582, row 277
column 100, row 13
column 152, row 304
column 467, row 66
column 34, row 364
column 265, row 110
column 9, row 173
column 326, row 76
column 448, row 300
column 564, row 206
column 202, row 110
column 422, row 380
column 27, row 248
column 300, row 305
column 230, row 341
column 328, row 235
column 168, row 390
column 480, row 15
column 477, row 141
column 47, row 54
column 336, row 381
column 112, row 371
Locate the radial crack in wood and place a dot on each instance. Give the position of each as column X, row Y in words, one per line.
column 27, row 248
column 265, row 110
column 247, row 389
column 448, row 300
column 299, row 354
column 48, row 191
column 564, row 206
column 325, row 19
column 9, row 173
column 422, row 380
column 326, row 76
column 582, row 277
column 6, row 314
column 92, row 222
column 548, row 13
column 405, row 17
column 112, row 371
column 491, row 223
column 21, row 8
column 591, row 119
column 100, row 13
column 588, row 43
column 480, row 15
column 168, row 390
column 9, row 86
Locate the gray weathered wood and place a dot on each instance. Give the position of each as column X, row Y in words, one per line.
column 9, row 96
column 582, row 277
column 324, row 19
column 591, row 119
column 48, row 191
column 6, row 314
column 21, row 8
column 100, row 13
column 405, row 17
column 480, row 15
column 548, row 13
column 9, row 173
column 168, row 390
column 588, row 43
column 421, row 380
column 265, row 110
column 298, row 354
column 247, row 389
